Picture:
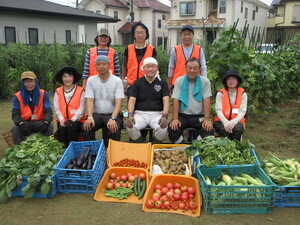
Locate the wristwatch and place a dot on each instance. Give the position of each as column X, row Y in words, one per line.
column 113, row 118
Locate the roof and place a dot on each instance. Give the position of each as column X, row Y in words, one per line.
column 115, row 3
column 211, row 21
column 153, row 4
column 126, row 27
column 42, row 7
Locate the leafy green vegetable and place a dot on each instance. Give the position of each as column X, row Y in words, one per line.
column 221, row 151
column 35, row 158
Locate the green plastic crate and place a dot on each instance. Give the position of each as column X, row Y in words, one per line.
column 229, row 199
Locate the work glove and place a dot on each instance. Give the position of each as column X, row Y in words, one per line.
column 163, row 122
column 44, row 128
column 25, row 130
column 130, row 122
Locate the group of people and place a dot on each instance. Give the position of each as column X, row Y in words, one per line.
column 98, row 103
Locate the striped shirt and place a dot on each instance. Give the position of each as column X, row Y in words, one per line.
column 86, row 70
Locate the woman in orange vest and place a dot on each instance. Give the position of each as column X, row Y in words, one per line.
column 135, row 54
column 31, row 111
column 68, row 105
column 231, row 107
column 103, row 41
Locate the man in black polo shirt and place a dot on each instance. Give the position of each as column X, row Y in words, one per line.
column 148, row 104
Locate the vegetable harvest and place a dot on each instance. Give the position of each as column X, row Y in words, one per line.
column 35, row 158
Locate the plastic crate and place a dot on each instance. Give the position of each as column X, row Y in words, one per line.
column 99, row 195
column 76, row 180
column 163, row 179
column 17, row 192
column 287, row 196
column 197, row 160
column 162, row 146
column 118, row 150
column 236, row 199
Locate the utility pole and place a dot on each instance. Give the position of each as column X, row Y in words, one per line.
column 132, row 17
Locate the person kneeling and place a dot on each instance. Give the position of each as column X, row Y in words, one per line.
column 148, row 104
column 231, row 107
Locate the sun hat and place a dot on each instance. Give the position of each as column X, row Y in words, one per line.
column 232, row 73
column 70, row 70
column 103, row 31
column 28, row 74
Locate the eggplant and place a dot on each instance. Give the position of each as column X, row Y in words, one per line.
column 73, row 161
column 90, row 164
column 80, row 160
column 84, row 165
column 86, row 154
column 69, row 166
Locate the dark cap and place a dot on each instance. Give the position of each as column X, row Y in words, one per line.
column 231, row 73
column 187, row 27
column 103, row 32
column 70, row 70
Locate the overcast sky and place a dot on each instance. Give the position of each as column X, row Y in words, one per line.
column 73, row 2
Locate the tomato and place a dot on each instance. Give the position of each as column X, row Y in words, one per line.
column 142, row 176
column 177, row 197
column 113, row 175
column 116, row 185
column 156, row 195
column 150, row 203
column 159, row 192
column 125, row 185
column 113, row 181
column 192, row 205
column 184, row 188
column 169, row 185
column 117, row 179
column 184, row 197
column 191, row 190
column 170, row 194
column 164, row 198
column 158, row 204
column 191, row 196
column 109, row 186
column 158, row 187
column 177, row 191
column 131, row 178
column 181, row 205
column 123, row 178
column 130, row 184
column 136, row 176
column 164, row 190
column 177, row 185
column 167, row 204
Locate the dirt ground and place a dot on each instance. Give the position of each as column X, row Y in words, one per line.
column 277, row 132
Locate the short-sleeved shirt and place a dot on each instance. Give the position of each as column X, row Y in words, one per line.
column 104, row 92
column 195, row 107
column 149, row 96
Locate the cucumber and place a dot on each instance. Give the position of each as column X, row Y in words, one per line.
column 136, row 187
column 143, row 189
column 139, row 185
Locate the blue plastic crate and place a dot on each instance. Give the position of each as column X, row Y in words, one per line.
column 17, row 192
column 287, row 196
column 76, row 180
column 231, row 199
column 197, row 160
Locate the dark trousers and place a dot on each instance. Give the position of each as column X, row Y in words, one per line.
column 69, row 133
column 101, row 121
column 188, row 121
column 236, row 134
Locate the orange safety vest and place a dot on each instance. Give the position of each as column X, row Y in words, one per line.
column 27, row 113
column 93, row 56
column 227, row 107
column 179, row 69
column 68, row 110
column 134, row 71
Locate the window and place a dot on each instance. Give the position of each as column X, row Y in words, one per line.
column 256, row 9
column 163, row 17
column 116, row 14
column 215, row 5
column 98, row 11
column 10, row 35
column 253, row 15
column 187, row 8
column 242, row 5
column 159, row 23
column 68, row 36
column 33, row 36
column 222, row 6
column 159, row 41
column 210, row 36
column 246, row 13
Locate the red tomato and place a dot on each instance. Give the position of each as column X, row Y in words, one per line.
column 130, row 184
column 192, row 205
column 170, row 194
column 131, row 178
column 184, row 197
column 177, row 191
column 176, row 197
column 184, row 188
column 142, row 176
column 116, row 185
column 158, row 204
column 181, row 205
column 113, row 181
column 191, row 196
column 129, row 174
column 109, row 186
column 177, row 185
column 150, row 203
column 164, row 190
column 158, row 187
column 118, row 179
column 159, row 192
column 125, row 185
column 113, row 175
column 136, row 176
column 156, row 195
column 164, row 198
column 169, row 185
column 167, row 204
column 191, row 190
column 123, row 178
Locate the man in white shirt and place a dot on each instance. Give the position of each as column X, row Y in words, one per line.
column 104, row 94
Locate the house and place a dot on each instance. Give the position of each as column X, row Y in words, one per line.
column 212, row 15
column 35, row 21
column 283, row 20
column 152, row 13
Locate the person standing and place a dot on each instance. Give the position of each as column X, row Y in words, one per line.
column 182, row 52
column 104, row 94
column 31, row 111
column 191, row 104
column 103, row 41
column 68, row 105
column 231, row 107
column 148, row 104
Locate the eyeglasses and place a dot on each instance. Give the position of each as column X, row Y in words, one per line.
column 140, row 32
column 148, row 66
